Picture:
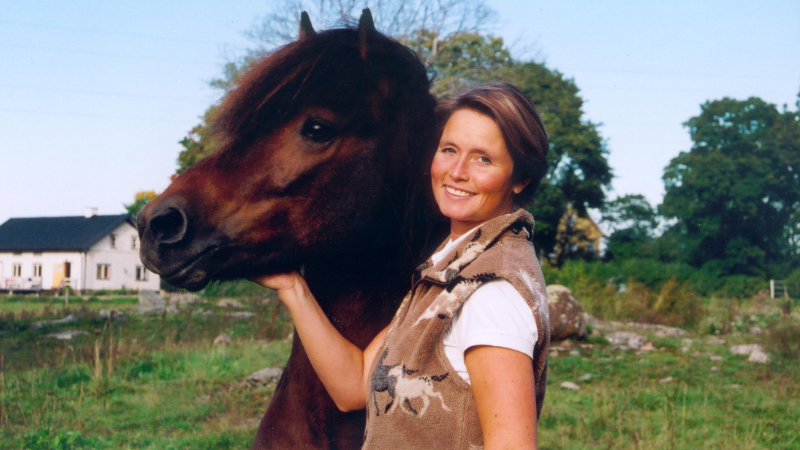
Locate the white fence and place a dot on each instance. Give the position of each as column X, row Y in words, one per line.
column 778, row 288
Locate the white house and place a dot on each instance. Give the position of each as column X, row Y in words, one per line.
column 87, row 253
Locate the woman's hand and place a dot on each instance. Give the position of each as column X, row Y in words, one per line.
column 279, row 281
column 342, row 367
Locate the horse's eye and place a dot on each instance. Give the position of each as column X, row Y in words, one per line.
column 318, row 130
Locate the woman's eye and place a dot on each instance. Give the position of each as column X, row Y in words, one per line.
column 318, row 130
column 447, row 150
column 484, row 160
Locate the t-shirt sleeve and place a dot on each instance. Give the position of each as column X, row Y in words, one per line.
column 496, row 314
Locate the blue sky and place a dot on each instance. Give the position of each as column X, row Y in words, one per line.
column 95, row 95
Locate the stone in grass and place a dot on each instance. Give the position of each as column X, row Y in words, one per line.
column 745, row 349
column 66, row 320
column 228, row 303
column 566, row 315
column 758, row 356
column 665, row 380
column 754, row 352
column 223, row 339
column 715, row 341
column 585, row 377
column 264, row 377
column 570, row 386
column 66, row 334
column 626, row 340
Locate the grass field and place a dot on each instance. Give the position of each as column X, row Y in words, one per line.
column 157, row 381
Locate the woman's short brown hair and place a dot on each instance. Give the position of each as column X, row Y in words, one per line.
column 518, row 120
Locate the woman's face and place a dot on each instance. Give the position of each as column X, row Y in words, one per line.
column 471, row 172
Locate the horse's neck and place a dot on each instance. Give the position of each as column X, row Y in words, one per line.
column 360, row 291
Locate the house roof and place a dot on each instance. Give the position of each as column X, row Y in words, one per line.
column 60, row 234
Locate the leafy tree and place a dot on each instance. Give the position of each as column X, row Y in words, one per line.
column 578, row 170
column 633, row 221
column 734, row 193
column 139, row 201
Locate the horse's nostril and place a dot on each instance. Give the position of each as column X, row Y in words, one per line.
column 168, row 226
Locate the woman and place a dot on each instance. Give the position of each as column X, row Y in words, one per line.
column 464, row 360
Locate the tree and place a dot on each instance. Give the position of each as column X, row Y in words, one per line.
column 578, row 170
column 139, row 201
column 633, row 221
column 733, row 194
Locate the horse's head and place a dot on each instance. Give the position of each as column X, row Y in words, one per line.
column 321, row 146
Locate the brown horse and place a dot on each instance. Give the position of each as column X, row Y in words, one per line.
column 323, row 149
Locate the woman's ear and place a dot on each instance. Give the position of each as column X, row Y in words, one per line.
column 519, row 187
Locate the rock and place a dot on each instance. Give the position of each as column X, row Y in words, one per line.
column 647, row 347
column 665, row 380
column 66, row 334
column 585, row 377
column 223, row 339
column 566, row 315
column 241, row 314
column 715, row 358
column 754, row 352
column 72, row 318
column 570, row 386
column 758, row 356
column 715, row 341
column 745, row 349
column 228, row 303
column 183, row 298
column 151, row 298
column 756, row 330
column 264, row 377
column 626, row 340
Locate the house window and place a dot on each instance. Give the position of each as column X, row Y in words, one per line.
column 133, row 242
column 17, row 270
column 113, row 240
column 141, row 273
column 103, row 271
column 37, row 270
column 67, row 269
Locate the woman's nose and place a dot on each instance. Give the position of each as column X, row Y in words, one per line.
column 459, row 170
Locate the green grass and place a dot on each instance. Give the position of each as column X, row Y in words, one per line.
column 158, row 382
column 628, row 403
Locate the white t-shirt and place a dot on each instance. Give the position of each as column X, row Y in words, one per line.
column 495, row 314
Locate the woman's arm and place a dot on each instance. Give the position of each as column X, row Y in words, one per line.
column 502, row 384
column 342, row 367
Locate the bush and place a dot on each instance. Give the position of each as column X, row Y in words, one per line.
column 784, row 338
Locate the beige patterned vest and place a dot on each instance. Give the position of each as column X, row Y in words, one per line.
column 415, row 398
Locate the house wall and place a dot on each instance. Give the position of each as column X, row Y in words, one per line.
column 51, row 263
column 122, row 260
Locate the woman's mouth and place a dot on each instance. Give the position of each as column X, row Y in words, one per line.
column 457, row 192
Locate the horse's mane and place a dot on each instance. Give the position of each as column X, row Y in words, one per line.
column 352, row 72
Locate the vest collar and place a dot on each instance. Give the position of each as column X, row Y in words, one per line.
column 485, row 236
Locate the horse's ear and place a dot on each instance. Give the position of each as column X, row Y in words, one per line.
column 306, row 29
column 365, row 22
column 366, row 26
